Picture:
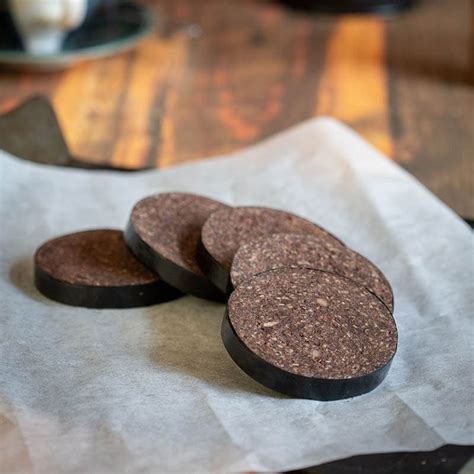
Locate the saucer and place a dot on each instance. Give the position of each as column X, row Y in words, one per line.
column 108, row 31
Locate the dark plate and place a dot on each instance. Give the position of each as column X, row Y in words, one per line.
column 352, row 6
column 109, row 30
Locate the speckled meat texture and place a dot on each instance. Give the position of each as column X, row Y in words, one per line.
column 93, row 258
column 313, row 323
column 311, row 251
column 226, row 230
column 170, row 223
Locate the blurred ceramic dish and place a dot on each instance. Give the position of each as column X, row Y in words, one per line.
column 105, row 33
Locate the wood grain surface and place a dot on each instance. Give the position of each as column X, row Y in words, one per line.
column 218, row 75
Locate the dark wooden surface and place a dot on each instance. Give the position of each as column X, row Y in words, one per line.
column 448, row 459
column 218, row 75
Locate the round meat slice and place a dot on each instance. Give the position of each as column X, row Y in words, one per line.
column 164, row 231
column 227, row 229
column 311, row 251
column 309, row 334
column 95, row 269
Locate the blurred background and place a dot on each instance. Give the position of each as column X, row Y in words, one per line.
column 180, row 80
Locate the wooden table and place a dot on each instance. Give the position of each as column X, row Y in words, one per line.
column 220, row 75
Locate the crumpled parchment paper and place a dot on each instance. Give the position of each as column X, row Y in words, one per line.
column 152, row 389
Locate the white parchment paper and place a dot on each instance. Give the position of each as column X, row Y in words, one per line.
column 152, row 389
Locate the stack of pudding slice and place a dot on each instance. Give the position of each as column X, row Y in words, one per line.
column 306, row 315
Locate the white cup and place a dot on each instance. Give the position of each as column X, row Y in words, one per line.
column 43, row 24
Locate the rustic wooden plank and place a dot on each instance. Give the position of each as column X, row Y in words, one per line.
column 140, row 128
column 218, row 76
column 251, row 70
column 354, row 87
column 88, row 101
column 15, row 87
column 432, row 100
